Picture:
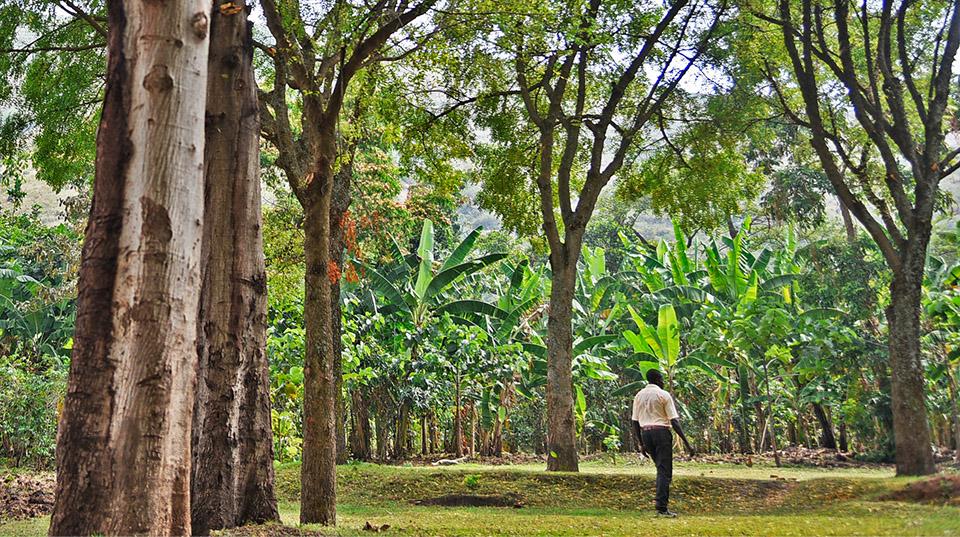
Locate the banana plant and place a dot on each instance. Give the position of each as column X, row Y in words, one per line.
column 662, row 343
column 415, row 288
column 417, row 292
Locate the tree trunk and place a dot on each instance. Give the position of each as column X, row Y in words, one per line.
column 844, row 447
column 424, row 441
column 339, row 204
column 401, row 432
column 123, row 447
column 318, row 471
column 910, row 428
column 561, row 428
column 628, row 442
column 473, row 429
column 458, row 420
column 848, row 226
column 232, row 473
column 827, row 438
column 954, row 410
column 359, row 426
column 383, row 433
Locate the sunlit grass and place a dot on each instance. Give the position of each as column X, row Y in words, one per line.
column 610, row 500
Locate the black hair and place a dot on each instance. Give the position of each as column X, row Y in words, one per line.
column 654, row 377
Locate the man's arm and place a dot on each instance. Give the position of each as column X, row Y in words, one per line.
column 639, row 433
column 675, row 422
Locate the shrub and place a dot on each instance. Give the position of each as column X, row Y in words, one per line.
column 29, row 407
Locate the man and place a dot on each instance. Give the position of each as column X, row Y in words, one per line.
column 653, row 415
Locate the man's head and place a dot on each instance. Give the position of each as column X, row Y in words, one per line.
column 655, row 377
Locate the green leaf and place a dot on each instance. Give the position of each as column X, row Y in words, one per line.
column 777, row 282
column 381, row 284
column 591, row 342
column 668, row 329
column 425, row 252
column 462, row 250
column 701, row 365
column 628, row 389
column 511, row 321
column 516, row 277
column 471, row 306
column 535, row 349
column 446, row 277
column 750, row 295
column 822, row 314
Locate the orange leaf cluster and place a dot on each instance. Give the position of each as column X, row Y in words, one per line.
column 333, row 271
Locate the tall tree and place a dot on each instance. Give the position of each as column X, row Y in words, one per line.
column 318, row 55
column 232, row 473
column 590, row 77
column 874, row 82
column 123, row 450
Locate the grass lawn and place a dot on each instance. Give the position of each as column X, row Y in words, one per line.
column 605, row 499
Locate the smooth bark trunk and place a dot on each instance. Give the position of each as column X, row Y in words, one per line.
column 232, row 473
column 123, row 446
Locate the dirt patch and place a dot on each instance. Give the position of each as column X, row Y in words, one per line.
column 944, row 490
column 267, row 530
column 791, row 456
column 506, row 459
column 26, row 495
column 473, row 500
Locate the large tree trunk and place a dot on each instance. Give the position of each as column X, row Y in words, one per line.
column 827, row 438
column 123, row 448
column 561, row 428
column 318, row 471
column 232, row 473
column 910, row 428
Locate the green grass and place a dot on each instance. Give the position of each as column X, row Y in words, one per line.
column 613, row 500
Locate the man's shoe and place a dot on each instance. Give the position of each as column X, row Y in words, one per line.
column 666, row 514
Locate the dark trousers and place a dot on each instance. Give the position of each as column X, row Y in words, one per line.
column 659, row 444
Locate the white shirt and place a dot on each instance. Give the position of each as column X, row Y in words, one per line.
column 653, row 406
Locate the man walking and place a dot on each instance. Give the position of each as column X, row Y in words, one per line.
column 653, row 415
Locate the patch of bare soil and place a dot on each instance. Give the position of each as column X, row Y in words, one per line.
column 472, row 500
column 942, row 489
column 505, row 459
column 267, row 530
column 26, row 495
column 791, row 456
